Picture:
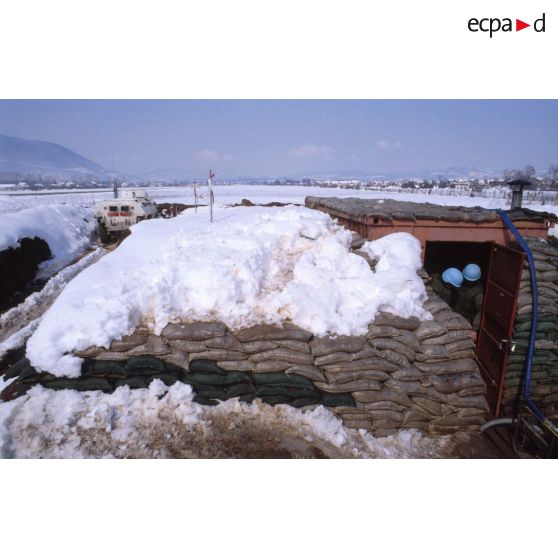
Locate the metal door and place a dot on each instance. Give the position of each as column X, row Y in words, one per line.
column 497, row 319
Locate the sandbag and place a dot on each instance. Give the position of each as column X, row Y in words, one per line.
column 187, row 346
column 260, row 346
column 407, row 337
column 240, row 365
column 471, row 401
column 357, row 385
column 449, row 337
column 379, row 414
column 128, row 342
column 354, row 375
column 271, row 366
column 154, row 346
column 177, row 358
column 274, row 333
column 374, row 363
column 409, row 374
column 320, row 346
column 218, row 354
column 409, row 388
column 102, row 368
column 382, row 344
column 311, row 372
column 338, row 400
column 456, row 382
column 206, row 366
column 228, row 341
column 300, row 346
column 283, row 354
column 197, row 331
column 432, row 353
column 385, row 405
column 415, row 415
column 79, row 384
column 448, row 367
column 149, row 362
column 383, row 395
column 386, row 319
column 430, row 406
column 279, row 378
column 430, row 329
column 134, row 382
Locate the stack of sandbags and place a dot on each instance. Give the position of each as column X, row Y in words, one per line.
column 544, row 384
column 408, row 374
column 403, row 373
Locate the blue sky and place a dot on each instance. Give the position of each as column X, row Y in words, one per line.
column 250, row 138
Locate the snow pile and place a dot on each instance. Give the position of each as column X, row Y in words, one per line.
column 165, row 422
column 252, row 266
column 66, row 229
column 396, row 280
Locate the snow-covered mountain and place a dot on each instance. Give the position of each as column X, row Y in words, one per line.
column 42, row 157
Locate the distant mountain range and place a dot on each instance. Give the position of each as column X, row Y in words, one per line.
column 23, row 157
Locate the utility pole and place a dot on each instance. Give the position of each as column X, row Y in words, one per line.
column 211, row 198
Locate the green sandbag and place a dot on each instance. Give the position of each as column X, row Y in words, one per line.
column 241, row 389
column 135, row 382
column 79, row 384
column 248, row 398
column 275, row 399
column 212, row 393
column 303, row 391
column 205, row 366
column 303, row 401
column 206, row 378
column 102, row 368
column 271, row 390
column 143, row 362
column 20, row 367
column 280, row 378
column 205, row 400
column 338, row 400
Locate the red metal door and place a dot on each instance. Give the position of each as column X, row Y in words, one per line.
column 497, row 319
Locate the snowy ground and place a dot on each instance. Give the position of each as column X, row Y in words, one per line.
column 165, row 423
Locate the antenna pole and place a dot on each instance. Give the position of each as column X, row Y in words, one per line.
column 211, row 198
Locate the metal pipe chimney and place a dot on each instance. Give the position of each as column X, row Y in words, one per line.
column 517, row 191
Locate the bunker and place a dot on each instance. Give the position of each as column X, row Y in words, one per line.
column 454, row 236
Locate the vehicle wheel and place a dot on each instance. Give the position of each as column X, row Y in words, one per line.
column 103, row 234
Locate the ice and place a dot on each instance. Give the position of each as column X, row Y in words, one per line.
column 252, row 266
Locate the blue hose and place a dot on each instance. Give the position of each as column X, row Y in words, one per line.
column 534, row 315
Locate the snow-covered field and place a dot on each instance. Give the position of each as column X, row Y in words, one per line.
column 229, row 194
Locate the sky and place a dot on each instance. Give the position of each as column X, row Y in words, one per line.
column 294, row 138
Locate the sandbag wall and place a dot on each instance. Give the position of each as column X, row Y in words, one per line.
column 403, row 374
column 544, row 384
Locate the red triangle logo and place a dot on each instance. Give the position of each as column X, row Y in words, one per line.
column 519, row 25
